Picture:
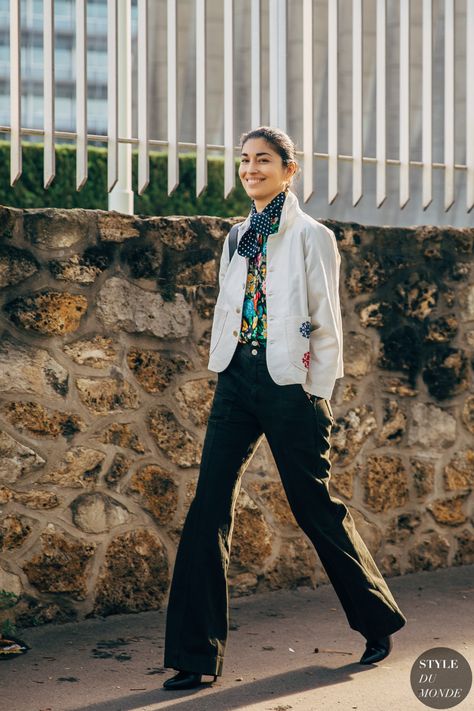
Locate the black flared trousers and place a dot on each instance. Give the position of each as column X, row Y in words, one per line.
column 247, row 404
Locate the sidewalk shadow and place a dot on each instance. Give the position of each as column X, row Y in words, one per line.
column 268, row 689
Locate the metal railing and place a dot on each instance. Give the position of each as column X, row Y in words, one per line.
column 118, row 134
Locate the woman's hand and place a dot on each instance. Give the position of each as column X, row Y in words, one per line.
column 313, row 398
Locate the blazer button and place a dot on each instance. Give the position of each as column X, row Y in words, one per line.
column 237, row 310
column 234, row 333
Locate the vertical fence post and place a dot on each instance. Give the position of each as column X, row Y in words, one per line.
column 255, row 78
column 172, row 39
column 470, row 105
column 427, row 104
column 381, row 139
column 121, row 196
column 404, row 94
column 201, row 146
column 48, row 86
column 277, row 63
column 142, row 108
column 449, row 103
column 308, row 110
column 229, row 158
column 112, row 100
column 81, row 93
column 333, row 84
column 357, row 94
column 15, row 91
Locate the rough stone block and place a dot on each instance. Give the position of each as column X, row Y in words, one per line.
column 155, row 370
column 431, row 427
column 97, row 513
column 61, row 565
column 449, row 512
column 48, row 312
column 386, row 483
column 16, row 265
column 195, row 399
column 79, row 468
column 52, row 228
column 30, row 370
column 430, row 553
column 39, row 421
column 16, row 460
column 95, row 352
column 122, row 306
column 104, row 395
column 134, row 575
column 172, row 438
column 158, row 492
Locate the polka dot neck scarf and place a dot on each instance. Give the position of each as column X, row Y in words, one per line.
column 260, row 223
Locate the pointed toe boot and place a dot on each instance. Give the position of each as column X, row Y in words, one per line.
column 376, row 650
column 184, row 680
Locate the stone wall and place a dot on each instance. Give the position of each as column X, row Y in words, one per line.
column 104, row 396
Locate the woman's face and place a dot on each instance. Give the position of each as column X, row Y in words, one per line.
column 262, row 172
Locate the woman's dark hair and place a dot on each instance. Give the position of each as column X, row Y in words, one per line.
column 280, row 141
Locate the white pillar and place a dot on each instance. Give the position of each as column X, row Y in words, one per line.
column 121, row 195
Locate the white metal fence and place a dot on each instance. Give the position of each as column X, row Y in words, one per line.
column 119, row 61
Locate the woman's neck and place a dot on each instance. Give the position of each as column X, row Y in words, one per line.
column 260, row 205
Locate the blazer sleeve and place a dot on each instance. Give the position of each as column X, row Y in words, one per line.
column 326, row 339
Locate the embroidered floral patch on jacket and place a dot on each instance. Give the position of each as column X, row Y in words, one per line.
column 305, row 359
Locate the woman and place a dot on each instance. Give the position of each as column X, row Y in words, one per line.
column 276, row 344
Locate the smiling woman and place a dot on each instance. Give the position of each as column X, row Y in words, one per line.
column 276, row 344
column 265, row 168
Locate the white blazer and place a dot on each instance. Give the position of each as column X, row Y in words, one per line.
column 304, row 325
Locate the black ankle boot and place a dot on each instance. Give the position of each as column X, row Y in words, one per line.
column 184, row 680
column 376, row 650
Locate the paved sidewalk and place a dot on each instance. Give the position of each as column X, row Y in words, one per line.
column 271, row 664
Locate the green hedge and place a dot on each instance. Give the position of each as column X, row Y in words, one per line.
column 29, row 191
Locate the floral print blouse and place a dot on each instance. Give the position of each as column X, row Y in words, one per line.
column 254, row 311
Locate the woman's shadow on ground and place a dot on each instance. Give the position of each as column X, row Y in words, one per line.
column 297, row 681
